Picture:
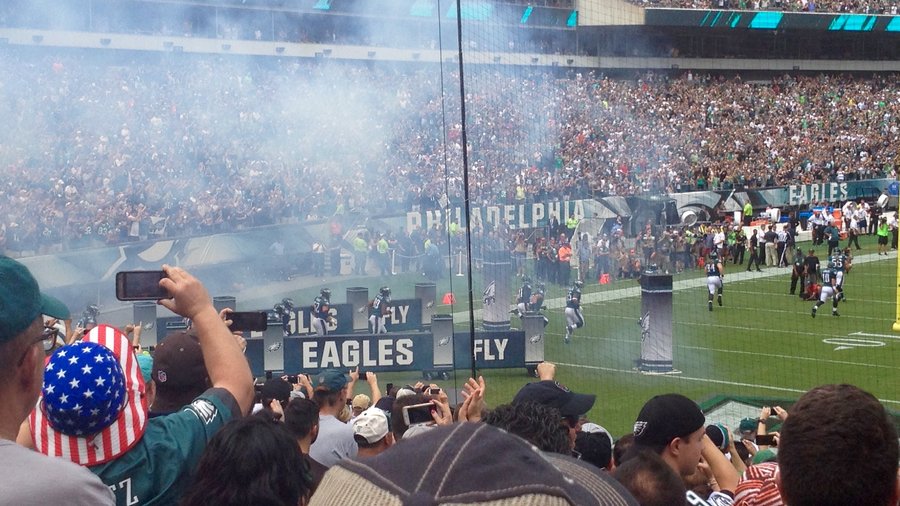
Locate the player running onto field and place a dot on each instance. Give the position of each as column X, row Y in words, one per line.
column 379, row 308
column 840, row 260
column 523, row 298
column 829, row 282
column 574, row 318
column 536, row 304
column 715, row 273
column 530, row 301
column 321, row 315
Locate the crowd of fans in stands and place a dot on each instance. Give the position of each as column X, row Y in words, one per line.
column 825, row 6
column 102, row 153
column 113, row 424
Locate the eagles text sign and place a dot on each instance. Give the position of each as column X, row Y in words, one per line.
column 383, row 352
column 406, row 314
column 799, row 194
column 401, row 351
column 491, row 349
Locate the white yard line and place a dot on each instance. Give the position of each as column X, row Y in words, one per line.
column 686, row 284
column 677, row 377
column 755, row 353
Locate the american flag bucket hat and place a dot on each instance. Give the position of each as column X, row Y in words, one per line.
column 92, row 407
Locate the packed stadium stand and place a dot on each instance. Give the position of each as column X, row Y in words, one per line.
column 171, row 122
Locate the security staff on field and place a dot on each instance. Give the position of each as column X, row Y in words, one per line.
column 748, row 213
column 811, row 268
column 798, row 272
column 740, row 246
column 571, row 224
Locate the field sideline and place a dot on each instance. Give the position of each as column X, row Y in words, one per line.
column 762, row 344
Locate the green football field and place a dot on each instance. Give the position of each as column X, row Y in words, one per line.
column 761, row 348
column 763, row 343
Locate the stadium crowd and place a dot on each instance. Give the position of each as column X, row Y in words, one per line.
column 353, row 24
column 824, row 6
column 113, row 424
column 104, row 152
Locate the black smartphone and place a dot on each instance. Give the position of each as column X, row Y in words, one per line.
column 418, row 414
column 140, row 285
column 292, row 379
column 766, row 439
column 363, row 376
column 248, row 320
column 435, row 391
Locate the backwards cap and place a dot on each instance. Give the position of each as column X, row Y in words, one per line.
column 666, row 417
column 372, row 425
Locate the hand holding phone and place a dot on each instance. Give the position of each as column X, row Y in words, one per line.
column 766, row 440
column 140, row 285
column 248, row 320
column 418, row 414
column 187, row 295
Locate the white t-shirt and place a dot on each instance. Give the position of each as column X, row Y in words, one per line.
column 719, row 239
